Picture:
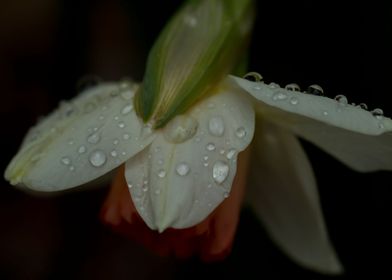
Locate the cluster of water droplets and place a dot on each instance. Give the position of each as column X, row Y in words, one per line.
column 314, row 89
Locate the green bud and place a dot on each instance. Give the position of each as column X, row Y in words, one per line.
column 200, row 45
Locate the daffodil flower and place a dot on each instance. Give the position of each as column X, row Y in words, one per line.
column 177, row 136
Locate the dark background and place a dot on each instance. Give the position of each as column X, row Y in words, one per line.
column 47, row 45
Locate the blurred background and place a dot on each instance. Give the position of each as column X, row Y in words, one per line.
column 46, row 46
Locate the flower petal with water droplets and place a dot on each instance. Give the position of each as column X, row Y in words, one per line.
column 284, row 195
column 70, row 149
column 179, row 184
column 351, row 134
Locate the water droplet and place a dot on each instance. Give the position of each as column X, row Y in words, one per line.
column 180, row 129
column 82, row 149
column 293, row 87
column 94, row 138
column 130, row 186
column 216, row 126
column 210, row 147
column 293, row 100
column 378, row 113
column 274, row 85
column 325, row 113
column 113, row 153
column 182, row 169
column 280, row 95
column 97, row 158
column 101, row 118
column 222, row 151
column 315, row 90
column 161, row 173
column 220, row 171
column 209, row 186
column 206, row 164
column 126, row 136
column 231, row 153
column 123, row 153
column 115, row 142
column 190, row 20
column 226, row 195
column 145, row 188
column 341, row 99
column 121, row 124
column 127, row 109
column 65, row 160
column 71, row 168
column 240, row 132
column 205, row 157
column 363, row 106
column 253, row 77
column 71, row 142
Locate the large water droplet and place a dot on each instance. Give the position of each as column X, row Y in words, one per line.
column 363, row 106
column 216, row 126
column 182, row 169
column 253, row 77
column 65, row 160
column 94, row 138
column 240, row 132
column 127, row 109
column 180, row 129
column 220, row 171
column 341, row 99
column 97, row 158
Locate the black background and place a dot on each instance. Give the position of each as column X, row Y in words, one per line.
column 45, row 47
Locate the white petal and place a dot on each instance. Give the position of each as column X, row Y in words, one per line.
column 351, row 134
column 284, row 195
column 179, row 183
column 80, row 141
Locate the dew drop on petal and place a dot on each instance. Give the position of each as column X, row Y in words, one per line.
column 220, row 171
column 113, row 153
column 216, row 126
column 126, row 136
column 161, row 173
column 94, row 138
column 97, row 158
column 65, row 160
column 315, row 90
column 226, row 195
column 126, row 94
column 253, row 77
column 378, row 113
column 182, row 169
column 71, row 168
column 115, row 142
column 292, row 87
column 279, row 96
column 82, row 149
column 210, row 147
column 121, row 124
column 240, row 132
column 293, row 100
column 231, row 153
column 127, row 109
column 341, row 99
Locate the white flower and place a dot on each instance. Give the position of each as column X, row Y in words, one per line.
column 180, row 172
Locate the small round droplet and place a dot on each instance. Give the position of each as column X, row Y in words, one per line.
column 121, row 124
column 71, row 142
column 325, row 113
column 341, row 99
column 210, row 147
column 126, row 94
column 315, row 90
column 65, row 160
column 71, row 168
column 280, row 95
column 363, row 106
column 293, row 100
column 113, row 153
column 94, row 138
column 220, row 171
column 273, row 85
column 240, row 132
column 293, row 87
column 231, row 153
column 161, row 173
column 126, row 136
column 216, row 126
column 226, row 195
column 127, row 109
column 115, row 142
column 378, row 113
column 116, row 118
column 182, row 169
column 82, row 149
column 97, row 158
column 205, row 158
column 253, row 77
